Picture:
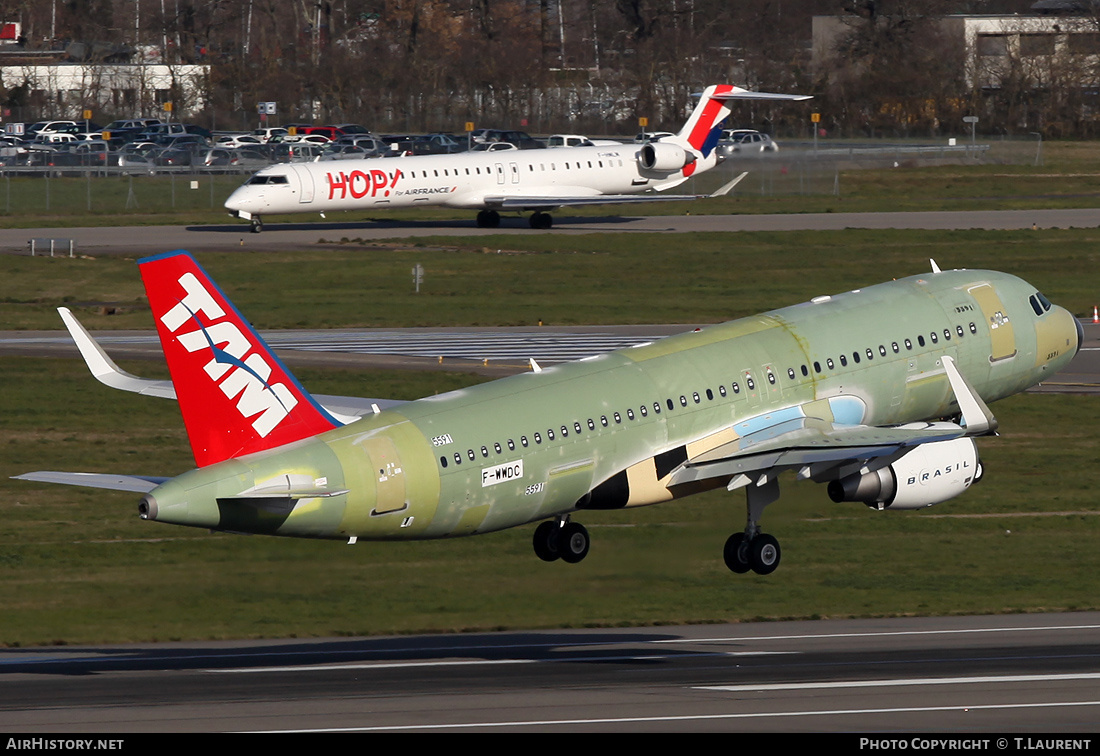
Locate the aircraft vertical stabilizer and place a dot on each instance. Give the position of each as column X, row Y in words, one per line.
column 235, row 396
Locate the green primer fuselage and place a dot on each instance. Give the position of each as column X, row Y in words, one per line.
column 607, row 431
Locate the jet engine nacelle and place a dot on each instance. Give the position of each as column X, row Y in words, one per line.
column 661, row 156
column 929, row 474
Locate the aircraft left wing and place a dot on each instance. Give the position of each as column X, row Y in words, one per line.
column 812, row 446
column 546, row 202
column 104, row 370
column 821, row 449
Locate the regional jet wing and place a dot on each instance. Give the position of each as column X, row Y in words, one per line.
column 104, row 369
column 537, row 202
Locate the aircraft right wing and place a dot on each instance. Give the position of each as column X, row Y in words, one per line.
column 104, row 370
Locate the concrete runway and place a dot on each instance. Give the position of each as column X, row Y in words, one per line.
column 310, row 231
column 981, row 677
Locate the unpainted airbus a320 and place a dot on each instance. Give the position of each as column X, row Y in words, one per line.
column 878, row 392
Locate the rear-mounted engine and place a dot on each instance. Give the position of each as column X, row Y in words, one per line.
column 660, row 156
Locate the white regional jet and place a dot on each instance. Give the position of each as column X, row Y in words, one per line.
column 492, row 181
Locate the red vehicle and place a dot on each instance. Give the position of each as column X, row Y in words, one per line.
column 326, row 131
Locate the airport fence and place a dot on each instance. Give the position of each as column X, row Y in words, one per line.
column 797, row 169
column 803, row 168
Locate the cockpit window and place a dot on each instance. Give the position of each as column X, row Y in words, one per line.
column 259, row 179
column 1039, row 303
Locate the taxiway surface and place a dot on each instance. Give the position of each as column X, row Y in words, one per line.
column 299, row 234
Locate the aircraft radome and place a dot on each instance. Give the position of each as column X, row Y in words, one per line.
column 536, row 180
column 878, row 392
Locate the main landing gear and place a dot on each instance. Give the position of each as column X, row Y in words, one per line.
column 541, row 220
column 561, row 539
column 488, row 219
column 753, row 550
column 491, row 219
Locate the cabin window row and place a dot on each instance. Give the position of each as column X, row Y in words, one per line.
column 697, row 398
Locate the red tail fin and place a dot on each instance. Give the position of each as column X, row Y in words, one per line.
column 235, row 395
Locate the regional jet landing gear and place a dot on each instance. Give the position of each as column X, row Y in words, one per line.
column 256, row 225
column 491, row 219
column 561, row 539
column 541, row 220
column 753, row 550
column 488, row 219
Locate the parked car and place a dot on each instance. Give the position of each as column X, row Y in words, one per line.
column 521, row 139
column 351, row 128
column 651, row 136
column 294, row 152
column 493, row 147
column 745, row 142
column 568, row 140
column 335, row 151
column 136, row 164
column 265, row 134
column 176, row 156
column 232, row 141
column 51, row 127
column 331, row 132
column 437, row 144
column 95, row 153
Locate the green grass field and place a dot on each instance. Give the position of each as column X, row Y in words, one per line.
column 78, row 566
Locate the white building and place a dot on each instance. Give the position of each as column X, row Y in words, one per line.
column 65, row 89
column 1037, row 51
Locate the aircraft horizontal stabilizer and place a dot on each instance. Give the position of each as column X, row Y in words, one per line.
column 135, row 483
column 725, row 189
column 104, row 370
column 737, row 93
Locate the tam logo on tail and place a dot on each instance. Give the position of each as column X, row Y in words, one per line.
column 235, row 396
column 248, row 376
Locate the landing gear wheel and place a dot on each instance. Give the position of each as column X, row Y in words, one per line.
column 546, row 541
column 764, row 554
column 488, row 219
column 573, row 542
column 257, row 226
column 541, row 220
column 736, row 554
